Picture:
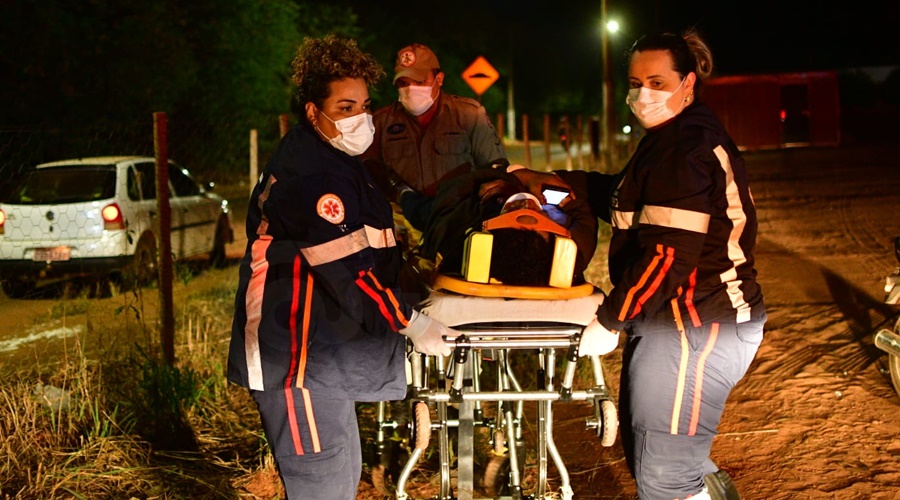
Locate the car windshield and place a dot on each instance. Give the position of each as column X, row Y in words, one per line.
column 74, row 184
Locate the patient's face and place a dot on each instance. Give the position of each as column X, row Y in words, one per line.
column 527, row 201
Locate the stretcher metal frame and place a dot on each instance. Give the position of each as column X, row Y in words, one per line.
column 430, row 375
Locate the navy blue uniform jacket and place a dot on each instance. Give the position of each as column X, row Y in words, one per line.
column 683, row 228
column 317, row 305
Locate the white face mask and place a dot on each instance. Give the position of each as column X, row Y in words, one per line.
column 355, row 134
column 416, row 98
column 650, row 107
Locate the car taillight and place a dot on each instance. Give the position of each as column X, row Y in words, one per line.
column 2, row 221
column 112, row 217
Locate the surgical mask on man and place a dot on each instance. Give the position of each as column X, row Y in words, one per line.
column 650, row 106
column 355, row 134
column 416, row 98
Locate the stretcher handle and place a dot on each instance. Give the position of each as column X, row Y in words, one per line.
column 536, row 343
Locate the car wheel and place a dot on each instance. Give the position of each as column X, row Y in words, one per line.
column 217, row 254
column 143, row 265
column 16, row 288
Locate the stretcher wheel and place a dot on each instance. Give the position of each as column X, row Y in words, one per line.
column 380, row 481
column 386, row 472
column 421, row 425
column 499, row 443
column 497, row 473
column 496, row 476
column 609, row 426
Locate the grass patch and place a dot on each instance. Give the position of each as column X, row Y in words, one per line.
column 123, row 424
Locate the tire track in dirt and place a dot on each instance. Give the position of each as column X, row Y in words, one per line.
column 864, row 232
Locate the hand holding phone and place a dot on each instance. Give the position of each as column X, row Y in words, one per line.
column 554, row 195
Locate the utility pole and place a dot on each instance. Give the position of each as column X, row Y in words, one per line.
column 510, row 102
column 606, row 117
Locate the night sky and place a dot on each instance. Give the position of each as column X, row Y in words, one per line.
column 756, row 36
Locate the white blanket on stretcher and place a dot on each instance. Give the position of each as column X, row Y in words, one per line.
column 454, row 310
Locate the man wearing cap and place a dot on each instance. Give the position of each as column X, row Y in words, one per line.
column 429, row 136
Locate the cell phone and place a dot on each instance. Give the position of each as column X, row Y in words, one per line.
column 554, row 195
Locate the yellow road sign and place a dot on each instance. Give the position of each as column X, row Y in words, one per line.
column 480, row 75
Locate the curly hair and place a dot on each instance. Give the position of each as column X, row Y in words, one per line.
column 324, row 60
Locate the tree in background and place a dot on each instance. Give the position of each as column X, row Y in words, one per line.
column 84, row 77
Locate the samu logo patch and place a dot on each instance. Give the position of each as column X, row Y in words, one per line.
column 396, row 128
column 330, row 208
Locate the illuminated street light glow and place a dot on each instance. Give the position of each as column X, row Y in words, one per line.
column 612, row 26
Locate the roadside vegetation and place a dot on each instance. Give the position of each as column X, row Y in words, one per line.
column 117, row 422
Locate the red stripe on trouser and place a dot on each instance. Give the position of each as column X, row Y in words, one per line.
column 311, row 418
column 698, row 385
column 682, row 375
column 288, row 394
column 292, row 420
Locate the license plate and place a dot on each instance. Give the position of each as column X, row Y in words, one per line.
column 52, row 254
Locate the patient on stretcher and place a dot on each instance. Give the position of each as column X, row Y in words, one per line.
column 487, row 215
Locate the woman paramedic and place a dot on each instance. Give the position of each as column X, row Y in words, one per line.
column 318, row 311
column 681, row 263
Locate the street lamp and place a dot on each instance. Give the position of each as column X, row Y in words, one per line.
column 608, row 117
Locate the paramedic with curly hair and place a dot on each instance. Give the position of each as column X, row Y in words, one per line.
column 319, row 323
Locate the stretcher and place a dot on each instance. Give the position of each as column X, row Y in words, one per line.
column 497, row 323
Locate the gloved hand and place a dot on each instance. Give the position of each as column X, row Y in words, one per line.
column 597, row 340
column 427, row 334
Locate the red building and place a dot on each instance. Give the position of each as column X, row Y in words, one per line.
column 779, row 110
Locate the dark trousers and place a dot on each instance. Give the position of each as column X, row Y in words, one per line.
column 673, row 391
column 315, row 442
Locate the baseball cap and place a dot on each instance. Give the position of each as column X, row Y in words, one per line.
column 415, row 61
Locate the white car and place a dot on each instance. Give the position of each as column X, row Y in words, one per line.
column 96, row 217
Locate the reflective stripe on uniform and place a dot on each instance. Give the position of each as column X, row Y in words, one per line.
column 349, row 244
column 652, row 215
column 259, row 267
column 736, row 254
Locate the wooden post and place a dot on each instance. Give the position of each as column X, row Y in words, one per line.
column 525, row 140
column 501, row 124
column 254, row 159
column 164, row 246
column 283, row 124
column 547, row 139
